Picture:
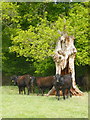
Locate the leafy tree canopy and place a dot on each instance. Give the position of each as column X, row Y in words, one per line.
column 30, row 31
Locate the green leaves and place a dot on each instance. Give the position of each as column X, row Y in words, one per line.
column 38, row 42
column 10, row 15
column 30, row 30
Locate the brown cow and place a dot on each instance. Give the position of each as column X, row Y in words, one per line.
column 22, row 82
column 44, row 82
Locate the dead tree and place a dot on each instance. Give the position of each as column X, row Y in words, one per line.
column 64, row 56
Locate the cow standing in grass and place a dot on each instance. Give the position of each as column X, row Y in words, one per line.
column 43, row 83
column 22, row 82
column 63, row 83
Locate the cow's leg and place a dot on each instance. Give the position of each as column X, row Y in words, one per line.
column 24, row 90
column 58, row 94
column 70, row 93
column 28, row 88
column 19, row 90
column 63, row 93
column 67, row 92
column 28, row 92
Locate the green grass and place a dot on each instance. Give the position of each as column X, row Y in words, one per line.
column 33, row 106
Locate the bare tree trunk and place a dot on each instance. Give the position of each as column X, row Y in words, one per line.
column 74, row 90
column 64, row 56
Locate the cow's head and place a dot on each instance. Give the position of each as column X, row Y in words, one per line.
column 59, row 79
column 57, row 76
column 14, row 79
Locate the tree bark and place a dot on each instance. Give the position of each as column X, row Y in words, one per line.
column 64, row 57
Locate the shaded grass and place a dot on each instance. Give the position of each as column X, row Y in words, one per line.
column 33, row 106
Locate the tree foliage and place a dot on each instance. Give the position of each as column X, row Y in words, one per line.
column 30, row 33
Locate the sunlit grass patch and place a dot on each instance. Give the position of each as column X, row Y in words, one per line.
column 33, row 106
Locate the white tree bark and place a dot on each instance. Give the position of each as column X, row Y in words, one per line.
column 64, row 55
column 65, row 52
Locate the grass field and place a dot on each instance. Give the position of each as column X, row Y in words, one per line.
column 33, row 106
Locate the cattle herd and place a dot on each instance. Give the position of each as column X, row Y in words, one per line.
column 60, row 82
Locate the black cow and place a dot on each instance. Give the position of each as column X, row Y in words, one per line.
column 43, row 83
column 22, row 82
column 63, row 82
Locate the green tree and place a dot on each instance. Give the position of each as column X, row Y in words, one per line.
column 30, row 33
column 11, row 64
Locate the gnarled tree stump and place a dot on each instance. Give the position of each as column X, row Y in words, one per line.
column 63, row 57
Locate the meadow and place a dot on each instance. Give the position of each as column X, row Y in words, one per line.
column 33, row 106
